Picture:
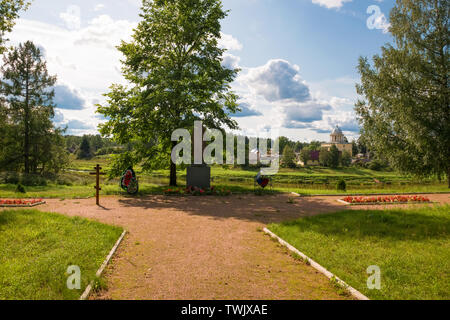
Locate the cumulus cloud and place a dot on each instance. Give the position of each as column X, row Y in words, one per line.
column 99, row 7
column 230, row 61
column 330, row 3
column 58, row 117
column 246, row 111
column 278, row 80
column 299, row 114
column 229, row 42
column 104, row 31
column 68, row 98
column 72, row 17
column 377, row 20
column 78, row 125
column 347, row 121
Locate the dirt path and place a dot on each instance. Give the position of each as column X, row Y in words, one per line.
column 206, row 247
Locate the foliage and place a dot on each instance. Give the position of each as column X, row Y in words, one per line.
column 9, row 12
column 27, row 135
column 173, row 65
column 324, row 157
column 289, row 158
column 333, row 157
column 405, row 110
column 305, row 155
column 20, row 188
column 85, row 149
column 346, row 159
column 341, row 185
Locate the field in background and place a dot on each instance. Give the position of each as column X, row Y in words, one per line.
column 77, row 183
column 411, row 247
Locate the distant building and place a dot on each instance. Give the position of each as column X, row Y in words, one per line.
column 338, row 139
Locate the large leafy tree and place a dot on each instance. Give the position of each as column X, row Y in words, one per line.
column 174, row 67
column 404, row 110
column 9, row 12
column 29, row 140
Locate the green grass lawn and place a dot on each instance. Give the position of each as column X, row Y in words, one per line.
column 36, row 248
column 411, row 246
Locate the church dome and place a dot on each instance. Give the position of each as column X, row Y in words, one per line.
column 337, row 131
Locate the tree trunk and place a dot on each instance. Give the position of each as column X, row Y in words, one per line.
column 26, row 147
column 448, row 176
column 173, row 169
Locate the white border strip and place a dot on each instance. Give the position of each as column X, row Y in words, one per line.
column 380, row 203
column 86, row 292
column 29, row 205
column 355, row 293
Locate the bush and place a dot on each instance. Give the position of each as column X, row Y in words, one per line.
column 375, row 165
column 11, row 178
column 64, row 182
column 20, row 188
column 341, row 185
column 32, row 180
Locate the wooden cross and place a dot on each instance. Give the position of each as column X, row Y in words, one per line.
column 97, row 173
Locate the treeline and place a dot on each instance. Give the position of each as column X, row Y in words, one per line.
column 88, row 146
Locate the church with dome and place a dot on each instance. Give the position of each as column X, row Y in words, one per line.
column 338, row 139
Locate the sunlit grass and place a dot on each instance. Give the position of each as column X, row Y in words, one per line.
column 411, row 247
column 36, row 248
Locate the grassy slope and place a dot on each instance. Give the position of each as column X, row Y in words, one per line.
column 36, row 249
column 412, row 248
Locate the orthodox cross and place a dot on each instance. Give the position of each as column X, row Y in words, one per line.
column 97, row 173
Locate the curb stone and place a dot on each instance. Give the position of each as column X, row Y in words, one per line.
column 87, row 292
column 355, row 293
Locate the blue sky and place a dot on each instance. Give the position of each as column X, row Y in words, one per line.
column 298, row 58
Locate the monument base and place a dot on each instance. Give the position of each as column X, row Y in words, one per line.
column 199, row 176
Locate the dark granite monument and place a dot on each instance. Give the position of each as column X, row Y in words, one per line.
column 199, row 176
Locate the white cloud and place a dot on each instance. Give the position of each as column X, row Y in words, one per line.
column 104, row 31
column 99, row 7
column 330, row 3
column 68, row 98
column 278, row 80
column 230, row 61
column 228, row 42
column 84, row 59
column 72, row 17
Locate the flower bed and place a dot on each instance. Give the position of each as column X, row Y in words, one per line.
column 21, row 203
column 193, row 191
column 384, row 200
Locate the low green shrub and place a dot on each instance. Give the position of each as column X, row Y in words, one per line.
column 20, row 188
column 341, row 185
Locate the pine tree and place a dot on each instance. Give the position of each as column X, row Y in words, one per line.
column 85, row 149
column 29, row 139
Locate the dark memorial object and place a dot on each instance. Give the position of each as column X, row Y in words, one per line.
column 129, row 182
column 199, row 176
column 262, row 181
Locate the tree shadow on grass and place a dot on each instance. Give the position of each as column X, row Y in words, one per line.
column 395, row 225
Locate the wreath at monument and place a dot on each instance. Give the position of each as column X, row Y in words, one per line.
column 263, row 181
column 129, row 182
